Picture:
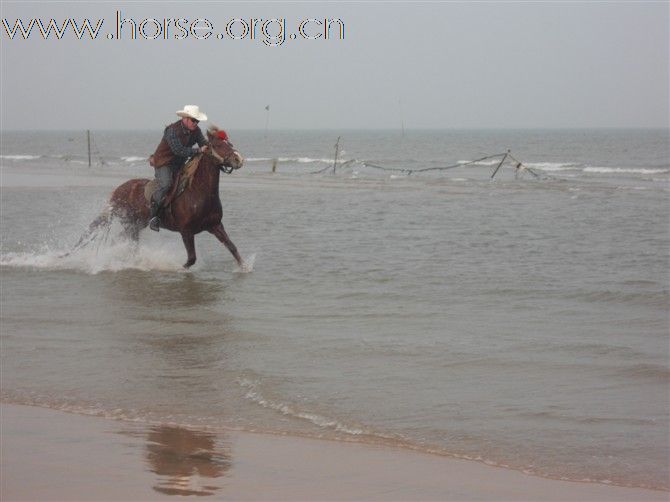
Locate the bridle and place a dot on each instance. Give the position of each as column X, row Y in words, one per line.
column 226, row 169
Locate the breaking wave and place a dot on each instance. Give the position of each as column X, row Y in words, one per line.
column 624, row 170
column 299, row 160
column 20, row 157
column 133, row 159
column 554, row 166
column 254, row 395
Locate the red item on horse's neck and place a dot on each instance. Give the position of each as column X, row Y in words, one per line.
column 222, row 135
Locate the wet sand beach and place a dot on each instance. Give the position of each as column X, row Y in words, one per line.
column 52, row 455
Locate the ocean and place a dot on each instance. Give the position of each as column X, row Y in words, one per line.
column 520, row 321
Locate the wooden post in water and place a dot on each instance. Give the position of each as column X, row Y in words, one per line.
column 274, row 165
column 501, row 163
column 88, row 140
column 337, row 149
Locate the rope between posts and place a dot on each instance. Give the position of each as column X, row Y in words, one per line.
column 410, row 171
column 343, row 164
column 505, row 156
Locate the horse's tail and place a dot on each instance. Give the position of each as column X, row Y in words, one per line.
column 101, row 224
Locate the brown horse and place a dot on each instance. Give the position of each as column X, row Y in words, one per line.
column 195, row 210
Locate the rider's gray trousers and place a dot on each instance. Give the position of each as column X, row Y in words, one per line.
column 164, row 177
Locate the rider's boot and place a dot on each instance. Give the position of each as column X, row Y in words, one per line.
column 154, row 221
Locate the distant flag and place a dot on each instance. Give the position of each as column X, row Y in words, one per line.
column 267, row 119
column 267, row 108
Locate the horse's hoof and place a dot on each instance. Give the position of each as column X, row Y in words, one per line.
column 154, row 224
column 189, row 263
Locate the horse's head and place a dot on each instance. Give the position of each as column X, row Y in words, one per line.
column 223, row 149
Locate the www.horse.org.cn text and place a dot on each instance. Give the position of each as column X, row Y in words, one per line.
column 272, row 32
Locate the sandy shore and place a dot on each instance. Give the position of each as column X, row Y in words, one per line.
column 51, row 455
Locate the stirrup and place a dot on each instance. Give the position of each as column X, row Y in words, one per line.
column 154, row 224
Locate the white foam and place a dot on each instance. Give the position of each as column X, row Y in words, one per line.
column 248, row 265
column 299, row 160
column 481, row 163
column 255, row 396
column 552, row 166
column 19, row 157
column 609, row 170
column 93, row 259
column 304, row 160
column 309, row 160
column 134, row 159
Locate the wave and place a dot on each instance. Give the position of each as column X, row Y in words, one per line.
column 481, row 163
column 68, row 406
column 572, row 166
column 587, row 420
column 645, row 371
column 254, row 394
column 134, row 159
column 298, row 160
column 598, row 349
column 543, row 166
column 624, row 170
column 20, row 157
column 657, row 298
column 554, row 166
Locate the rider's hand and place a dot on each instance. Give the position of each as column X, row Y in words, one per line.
column 204, row 148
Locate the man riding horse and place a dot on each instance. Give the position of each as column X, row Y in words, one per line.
column 175, row 148
column 196, row 207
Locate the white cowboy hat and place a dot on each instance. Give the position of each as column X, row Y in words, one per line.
column 192, row 111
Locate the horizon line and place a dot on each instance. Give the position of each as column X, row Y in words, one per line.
column 363, row 129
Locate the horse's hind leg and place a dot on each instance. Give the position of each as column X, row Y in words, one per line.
column 189, row 243
column 221, row 234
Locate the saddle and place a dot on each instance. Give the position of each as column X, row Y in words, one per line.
column 181, row 182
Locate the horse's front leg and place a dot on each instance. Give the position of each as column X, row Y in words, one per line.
column 221, row 234
column 189, row 243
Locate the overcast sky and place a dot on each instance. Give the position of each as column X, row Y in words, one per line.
column 427, row 64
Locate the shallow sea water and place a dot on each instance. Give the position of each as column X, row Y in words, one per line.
column 519, row 321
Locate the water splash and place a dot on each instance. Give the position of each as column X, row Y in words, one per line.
column 248, row 265
column 104, row 254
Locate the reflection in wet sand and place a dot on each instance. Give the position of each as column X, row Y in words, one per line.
column 179, row 290
column 186, row 462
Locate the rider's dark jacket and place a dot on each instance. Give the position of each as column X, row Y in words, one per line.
column 176, row 145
